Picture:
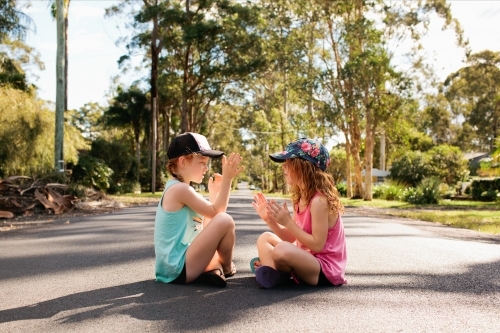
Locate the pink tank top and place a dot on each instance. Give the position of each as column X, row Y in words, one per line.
column 333, row 256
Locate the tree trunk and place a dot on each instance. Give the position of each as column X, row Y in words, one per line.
column 355, row 133
column 60, row 84
column 154, row 99
column 382, row 151
column 348, row 166
column 66, row 13
column 369, row 143
column 138, row 152
column 185, row 79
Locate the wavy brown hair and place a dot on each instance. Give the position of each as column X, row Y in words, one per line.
column 172, row 165
column 313, row 180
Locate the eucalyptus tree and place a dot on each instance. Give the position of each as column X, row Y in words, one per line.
column 474, row 94
column 146, row 13
column 87, row 120
column 53, row 10
column 60, row 88
column 129, row 109
column 13, row 22
column 360, row 83
column 14, row 25
column 14, row 56
column 210, row 45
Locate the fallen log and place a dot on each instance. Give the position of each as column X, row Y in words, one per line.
column 6, row 215
column 21, row 194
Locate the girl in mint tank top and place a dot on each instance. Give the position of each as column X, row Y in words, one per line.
column 307, row 246
column 194, row 237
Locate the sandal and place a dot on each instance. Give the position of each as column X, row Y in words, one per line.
column 232, row 272
column 268, row 277
column 252, row 264
column 213, row 278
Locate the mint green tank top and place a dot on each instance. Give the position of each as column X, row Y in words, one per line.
column 173, row 233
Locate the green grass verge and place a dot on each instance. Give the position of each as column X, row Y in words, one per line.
column 484, row 221
column 474, row 215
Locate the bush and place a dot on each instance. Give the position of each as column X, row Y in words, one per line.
column 448, row 163
column 389, row 191
column 410, row 168
column 27, row 135
column 426, row 193
column 342, row 188
column 116, row 156
column 483, row 189
column 92, row 172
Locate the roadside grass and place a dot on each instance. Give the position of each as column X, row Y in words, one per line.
column 137, row 198
column 474, row 215
column 479, row 220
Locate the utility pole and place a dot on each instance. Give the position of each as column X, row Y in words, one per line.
column 60, row 88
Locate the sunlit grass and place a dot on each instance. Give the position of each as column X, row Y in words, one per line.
column 474, row 215
column 484, row 221
column 375, row 203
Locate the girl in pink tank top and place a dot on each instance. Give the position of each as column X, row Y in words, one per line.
column 309, row 245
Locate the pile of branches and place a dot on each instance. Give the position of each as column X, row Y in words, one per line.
column 27, row 196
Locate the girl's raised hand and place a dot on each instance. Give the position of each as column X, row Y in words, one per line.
column 231, row 165
column 279, row 214
column 260, row 205
column 214, row 183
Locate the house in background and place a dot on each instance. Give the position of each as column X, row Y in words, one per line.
column 474, row 158
column 378, row 176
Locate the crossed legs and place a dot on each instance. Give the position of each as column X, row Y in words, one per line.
column 212, row 248
column 286, row 257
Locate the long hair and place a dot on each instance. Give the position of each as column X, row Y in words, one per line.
column 313, row 180
column 172, row 165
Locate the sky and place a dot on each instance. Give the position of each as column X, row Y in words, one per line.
column 93, row 52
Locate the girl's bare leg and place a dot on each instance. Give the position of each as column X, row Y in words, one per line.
column 265, row 246
column 287, row 257
column 212, row 248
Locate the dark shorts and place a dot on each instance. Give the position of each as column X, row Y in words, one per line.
column 322, row 280
column 181, row 279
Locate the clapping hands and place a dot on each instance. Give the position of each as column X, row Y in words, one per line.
column 231, row 165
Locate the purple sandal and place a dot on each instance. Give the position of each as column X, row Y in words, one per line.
column 268, row 277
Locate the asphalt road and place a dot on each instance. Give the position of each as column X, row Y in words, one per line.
column 96, row 274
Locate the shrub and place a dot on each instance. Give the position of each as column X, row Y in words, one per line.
column 116, row 156
column 482, row 190
column 448, row 163
column 342, row 188
column 410, row 168
column 388, row 191
column 426, row 193
column 92, row 172
column 27, row 135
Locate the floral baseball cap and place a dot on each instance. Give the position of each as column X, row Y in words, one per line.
column 308, row 149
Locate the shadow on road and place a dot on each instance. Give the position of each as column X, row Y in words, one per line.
column 152, row 301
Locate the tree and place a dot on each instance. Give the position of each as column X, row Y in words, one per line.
column 87, row 120
column 128, row 109
column 53, row 8
column 60, row 88
column 474, row 93
column 360, row 84
column 13, row 23
column 14, row 56
column 26, row 135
